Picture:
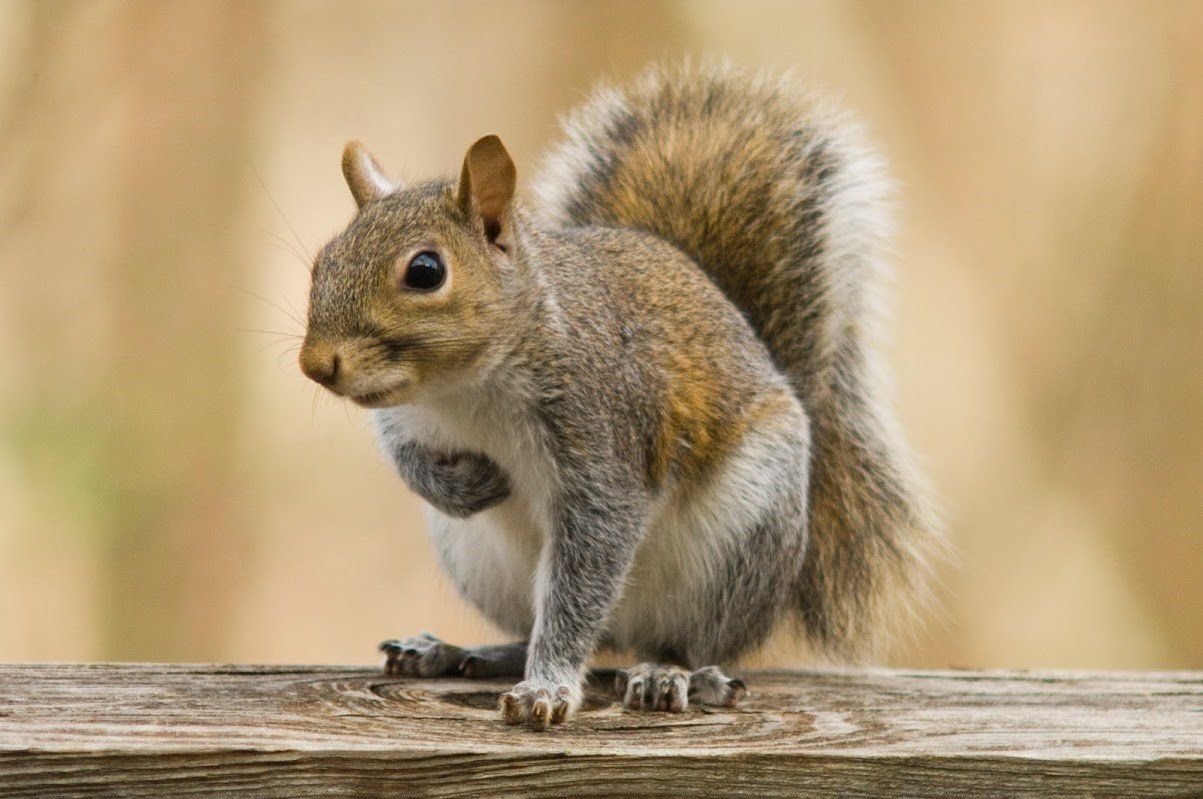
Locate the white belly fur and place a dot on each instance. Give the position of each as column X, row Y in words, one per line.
column 493, row 556
column 691, row 537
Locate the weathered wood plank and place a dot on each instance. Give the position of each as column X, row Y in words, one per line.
column 224, row 731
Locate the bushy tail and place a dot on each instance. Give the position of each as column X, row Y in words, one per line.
column 774, row 196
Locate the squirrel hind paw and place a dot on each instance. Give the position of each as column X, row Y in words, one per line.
column 421, row 655
column 650, row 686
column 709, row 686
column 653, row 687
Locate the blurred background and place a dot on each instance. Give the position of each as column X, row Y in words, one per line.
column 171, row 487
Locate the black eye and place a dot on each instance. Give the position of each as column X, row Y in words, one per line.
column 425, row 272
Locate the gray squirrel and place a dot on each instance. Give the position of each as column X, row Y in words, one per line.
column 645, row 408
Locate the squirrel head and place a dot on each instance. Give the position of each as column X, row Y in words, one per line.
column 413, row 292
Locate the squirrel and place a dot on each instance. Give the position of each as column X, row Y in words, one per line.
column 645, row 409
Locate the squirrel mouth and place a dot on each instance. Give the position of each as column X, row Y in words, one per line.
column 377, row 399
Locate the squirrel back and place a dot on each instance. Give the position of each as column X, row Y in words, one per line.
column 774, row 196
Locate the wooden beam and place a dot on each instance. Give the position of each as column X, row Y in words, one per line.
column 275, row 731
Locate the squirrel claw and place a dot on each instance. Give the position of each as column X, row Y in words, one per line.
column 538, row 704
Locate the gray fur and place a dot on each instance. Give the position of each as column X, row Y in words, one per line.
column 645, row 416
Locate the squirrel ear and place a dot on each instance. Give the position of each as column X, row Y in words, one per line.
column 364, row 174
column 487, row 184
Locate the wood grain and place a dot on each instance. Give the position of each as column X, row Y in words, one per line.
column 267, row 731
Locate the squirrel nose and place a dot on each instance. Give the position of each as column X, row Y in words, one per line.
column 320, row 365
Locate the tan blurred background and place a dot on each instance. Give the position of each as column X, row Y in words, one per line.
column 171, row 488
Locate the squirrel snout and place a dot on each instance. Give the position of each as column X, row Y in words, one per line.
column 320, row 364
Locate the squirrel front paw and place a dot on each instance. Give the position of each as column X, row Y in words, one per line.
column 479, row 482
column 540, row 703
column 460, row 483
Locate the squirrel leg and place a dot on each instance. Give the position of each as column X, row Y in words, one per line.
column 597, row 525
column 426, row 655
column 651, row 686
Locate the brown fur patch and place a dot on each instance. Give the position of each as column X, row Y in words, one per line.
column 702, row 422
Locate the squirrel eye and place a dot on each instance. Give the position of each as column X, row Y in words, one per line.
column 425, row 272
